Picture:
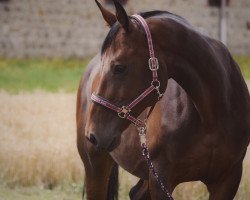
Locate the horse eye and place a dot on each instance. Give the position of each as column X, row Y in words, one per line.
column 119, row 69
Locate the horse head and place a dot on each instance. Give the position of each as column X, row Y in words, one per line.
column 122, row 76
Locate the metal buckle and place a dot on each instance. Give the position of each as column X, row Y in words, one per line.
column 153, row 64
column 124, row 112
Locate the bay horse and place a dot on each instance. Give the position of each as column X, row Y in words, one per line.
column 197, row 131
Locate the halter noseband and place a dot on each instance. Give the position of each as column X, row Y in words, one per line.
column 124, row 111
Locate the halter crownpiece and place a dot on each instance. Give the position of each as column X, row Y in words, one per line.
column 124, row 111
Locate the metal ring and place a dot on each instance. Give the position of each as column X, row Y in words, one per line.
column 156, row 83
column 124, row 112
column 122, row 115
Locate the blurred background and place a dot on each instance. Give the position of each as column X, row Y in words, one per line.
column 44, row 48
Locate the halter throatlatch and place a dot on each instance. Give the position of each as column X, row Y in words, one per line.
column 124, row 111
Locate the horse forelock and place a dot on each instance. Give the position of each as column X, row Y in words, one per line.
column 110, row 37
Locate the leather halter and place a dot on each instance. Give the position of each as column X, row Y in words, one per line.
column 124, row 111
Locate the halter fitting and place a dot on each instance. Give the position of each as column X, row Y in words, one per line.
column 124, row 111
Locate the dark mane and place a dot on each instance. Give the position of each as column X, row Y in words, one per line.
column 148, row 14
column 115, row 28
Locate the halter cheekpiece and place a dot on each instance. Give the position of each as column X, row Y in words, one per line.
column 124, row 111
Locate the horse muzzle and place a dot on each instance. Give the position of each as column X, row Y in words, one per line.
column 103, row 145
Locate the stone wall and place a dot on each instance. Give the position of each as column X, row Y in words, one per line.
column 75, row 28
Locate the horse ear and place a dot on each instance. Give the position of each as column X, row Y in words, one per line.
column 108, row 16
column 121, row 15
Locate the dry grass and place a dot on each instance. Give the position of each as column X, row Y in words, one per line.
column 37, row 146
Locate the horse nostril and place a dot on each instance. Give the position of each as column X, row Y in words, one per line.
column 92, row 139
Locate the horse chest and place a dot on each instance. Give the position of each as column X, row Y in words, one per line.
column 129, row 154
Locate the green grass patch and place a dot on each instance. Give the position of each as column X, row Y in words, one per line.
column 45, row 74
column 57, row 74
column 244, row 63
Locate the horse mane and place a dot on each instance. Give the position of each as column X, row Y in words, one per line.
column 154, row 13
column 116, row 27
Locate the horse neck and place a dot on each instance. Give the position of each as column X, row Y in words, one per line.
column 195, row 67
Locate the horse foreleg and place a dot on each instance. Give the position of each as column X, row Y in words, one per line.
column 226, row 188
column 101, row 173
column 140, row 191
